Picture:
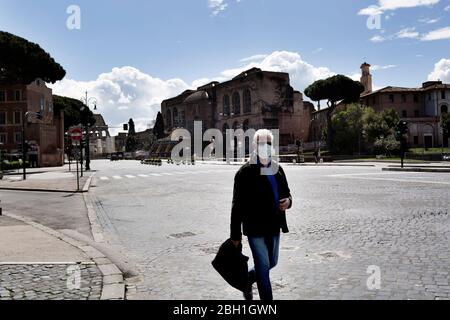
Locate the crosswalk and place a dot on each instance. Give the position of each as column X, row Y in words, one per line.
column 162, row 174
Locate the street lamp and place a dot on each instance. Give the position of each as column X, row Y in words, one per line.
column 86, row 100
column 39, row 116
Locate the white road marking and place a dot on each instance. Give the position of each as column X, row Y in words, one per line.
column 365, row 174
column 117, row 177
column 167, row 174
column 130, row 176
column 400, row 180
column 104, row 178
column 143, row 175
column 156, row 175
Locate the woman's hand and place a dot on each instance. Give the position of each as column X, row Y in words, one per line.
column 284, row 204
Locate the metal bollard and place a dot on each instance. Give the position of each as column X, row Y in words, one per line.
column 0, row 208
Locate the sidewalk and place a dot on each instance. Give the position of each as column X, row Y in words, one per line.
column 58, row 179
column 39, row 263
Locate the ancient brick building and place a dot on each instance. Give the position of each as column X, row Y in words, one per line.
column 45, row 137
column 254, row 99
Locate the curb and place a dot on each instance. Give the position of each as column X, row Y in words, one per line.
column 417, row 170
column 85, row 189
column 331, row 165
column 113, row 281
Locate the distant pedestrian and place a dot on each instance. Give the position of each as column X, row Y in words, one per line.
column 261, row 197
column 316, row 156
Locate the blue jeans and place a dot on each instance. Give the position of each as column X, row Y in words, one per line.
column 265, row 252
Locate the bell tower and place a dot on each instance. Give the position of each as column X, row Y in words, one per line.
column 366, row 77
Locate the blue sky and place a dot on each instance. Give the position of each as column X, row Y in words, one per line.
column 173, row 44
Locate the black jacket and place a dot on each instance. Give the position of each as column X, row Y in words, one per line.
column 232, row 265
column 254, row 205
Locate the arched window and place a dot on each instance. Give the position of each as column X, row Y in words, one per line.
column 247, row 101
column 235, row 125
column 236, row 103
column 444, row 109
column 175, row 117
column 169, row 119
column 226, row 105
column 246, row 125
column 225, row 128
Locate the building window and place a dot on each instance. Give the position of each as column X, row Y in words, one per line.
column 403, row 97
column 2, row 96
column 404, row 114
column 169, row 119
column 50, row 107
column 17, row 117
column 17, row 95
column 444, row 109
column 2, row 117
column 443, row 95
column 416, row 113
column 3, row 138
column 175, row 117
column 373, row 100
column 38, row 82
column 416, row 98
column 18, row 137
column 247, row 101
column 416, row 140
column 226, row 105
column 429, row 96
column 391, row 98
column 42, row 104
column 236, row 103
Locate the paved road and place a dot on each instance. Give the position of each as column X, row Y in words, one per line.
column 345, row 222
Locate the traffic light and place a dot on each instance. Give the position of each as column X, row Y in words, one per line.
column 401, row 129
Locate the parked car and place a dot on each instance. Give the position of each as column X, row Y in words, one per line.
column 446, row 157
column 114, row 157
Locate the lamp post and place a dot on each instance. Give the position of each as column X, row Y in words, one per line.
column 24, row 144
column 87, row 100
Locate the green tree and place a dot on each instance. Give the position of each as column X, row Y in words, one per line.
column 379, row 129
column 72, row 111
column 22, row 62
column 445, row 123
column 347, row 126
column 334, row 89
column 131, row 143
column 158, row 129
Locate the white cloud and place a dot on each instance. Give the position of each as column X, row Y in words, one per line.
column 377, row 39
column 410, row 33
column 439, row 34
column 441, row 71
column 447, row 8
column 123, row 93
column 387, row 5
column 127, row 92
column 317, row 50
column 217, row 6
column 254, row 57
column 302, row 73
column 429, row 20
column 378, row 67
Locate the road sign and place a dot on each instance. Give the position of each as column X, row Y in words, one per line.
column 76, row 133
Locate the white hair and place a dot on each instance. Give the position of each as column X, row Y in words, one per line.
column 262, row 133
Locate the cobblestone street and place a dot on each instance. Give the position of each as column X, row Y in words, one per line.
column 345, row 221
column 49, row 282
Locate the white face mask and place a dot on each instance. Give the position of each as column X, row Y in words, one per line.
column 265, row 151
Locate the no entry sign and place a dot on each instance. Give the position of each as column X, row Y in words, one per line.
column 76, row 134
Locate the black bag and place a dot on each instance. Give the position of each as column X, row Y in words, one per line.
column 232, row 265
